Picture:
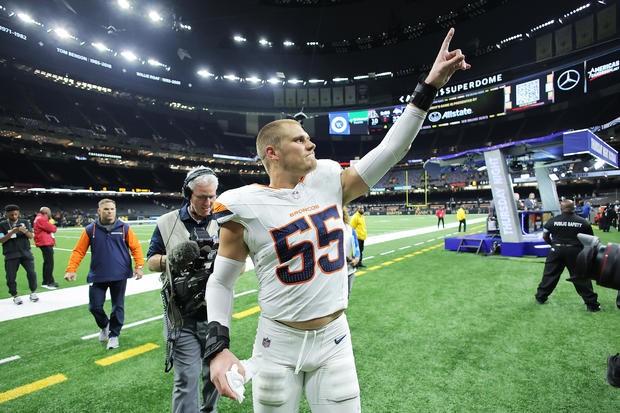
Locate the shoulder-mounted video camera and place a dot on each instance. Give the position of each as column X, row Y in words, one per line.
column 598, row 262
column 191, row 264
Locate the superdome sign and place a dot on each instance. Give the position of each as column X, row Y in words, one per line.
column 471, row 85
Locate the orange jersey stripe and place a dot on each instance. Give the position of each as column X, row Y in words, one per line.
column 218, row 207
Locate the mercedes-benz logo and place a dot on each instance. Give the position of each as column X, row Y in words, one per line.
column 568, row 80
column 434, row 116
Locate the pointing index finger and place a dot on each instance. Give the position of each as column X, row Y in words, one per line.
column 446, row 42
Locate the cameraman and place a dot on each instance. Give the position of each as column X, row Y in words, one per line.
column 186, row 342
column 561, row 233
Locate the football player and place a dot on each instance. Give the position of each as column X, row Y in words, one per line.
column 293, row 231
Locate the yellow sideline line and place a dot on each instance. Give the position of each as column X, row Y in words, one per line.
column 246, row 313
column 126, row 354
column 256, row 309
column 32, row 387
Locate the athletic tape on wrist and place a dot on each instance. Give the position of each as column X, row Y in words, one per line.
column 423, row 94
column 218, row 339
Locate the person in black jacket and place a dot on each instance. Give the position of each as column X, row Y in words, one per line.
column 561, row 233
column 15, row 235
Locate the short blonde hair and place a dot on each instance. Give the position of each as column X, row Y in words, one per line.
column 270, row 135
column 106, row 201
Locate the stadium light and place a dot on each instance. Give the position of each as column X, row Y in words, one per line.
column 154, row 62
column 129, row 55
column 62, row 33
column 155, row 17
column 25, row 18
column 264, row 42
column 384, row 74
column 231, row 77
column 295, row 81
column 205, row 73
column 124, row 4
column 340, row 79
column 288, row 43
column 101, row 47
column 274, row 81
column 316, row 81
column 253, row 79
column 239, row 39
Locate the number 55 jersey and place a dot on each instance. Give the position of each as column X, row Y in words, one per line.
column 295, row 237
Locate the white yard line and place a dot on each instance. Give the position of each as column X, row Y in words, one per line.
column 12, row 358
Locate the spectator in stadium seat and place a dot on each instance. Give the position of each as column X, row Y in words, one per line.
column 461, row 216
column 15, row 235
column 110, row 241
column 44, row 239
column 293, row 230
column 358, row 222
column 440, row 213
column 186, row 344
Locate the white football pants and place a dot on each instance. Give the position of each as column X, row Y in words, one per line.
column 289, row 360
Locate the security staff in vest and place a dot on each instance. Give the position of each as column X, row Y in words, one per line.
column 561, row 233
column 186, row 343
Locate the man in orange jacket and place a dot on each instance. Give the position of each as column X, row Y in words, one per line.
column 44, row 239
column 110, row 267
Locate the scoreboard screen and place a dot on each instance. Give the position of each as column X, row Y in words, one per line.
column 559, row 85
column 603, row 71
column 529, row 93
column 348, row 123
column 467, row 108
column 569, row 83
column 382, row 119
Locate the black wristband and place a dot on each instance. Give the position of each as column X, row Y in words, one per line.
column 423, row 94
column 218, row 339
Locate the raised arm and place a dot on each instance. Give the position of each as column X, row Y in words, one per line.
column 357, row 179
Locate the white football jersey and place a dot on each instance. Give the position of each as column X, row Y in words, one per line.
column 295, row 237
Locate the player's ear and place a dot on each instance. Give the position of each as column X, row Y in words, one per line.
column 271, row 153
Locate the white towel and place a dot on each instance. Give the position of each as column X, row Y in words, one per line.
column 235, row 379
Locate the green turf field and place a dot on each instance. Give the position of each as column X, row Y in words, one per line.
column 432, row 330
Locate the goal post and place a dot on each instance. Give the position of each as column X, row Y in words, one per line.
column 425, row 191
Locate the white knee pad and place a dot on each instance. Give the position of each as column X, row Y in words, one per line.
column 334, row 387
column 340, row 383
column 274, row 386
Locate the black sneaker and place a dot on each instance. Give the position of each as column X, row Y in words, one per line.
column 593, row 308
column 361, row 266
column 613, row 370
column 540, row 300
column 53, row 284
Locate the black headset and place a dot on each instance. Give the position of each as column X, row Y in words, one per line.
column 186, row 191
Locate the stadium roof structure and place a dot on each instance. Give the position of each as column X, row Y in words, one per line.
column 304, row 40
column 550, row 150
